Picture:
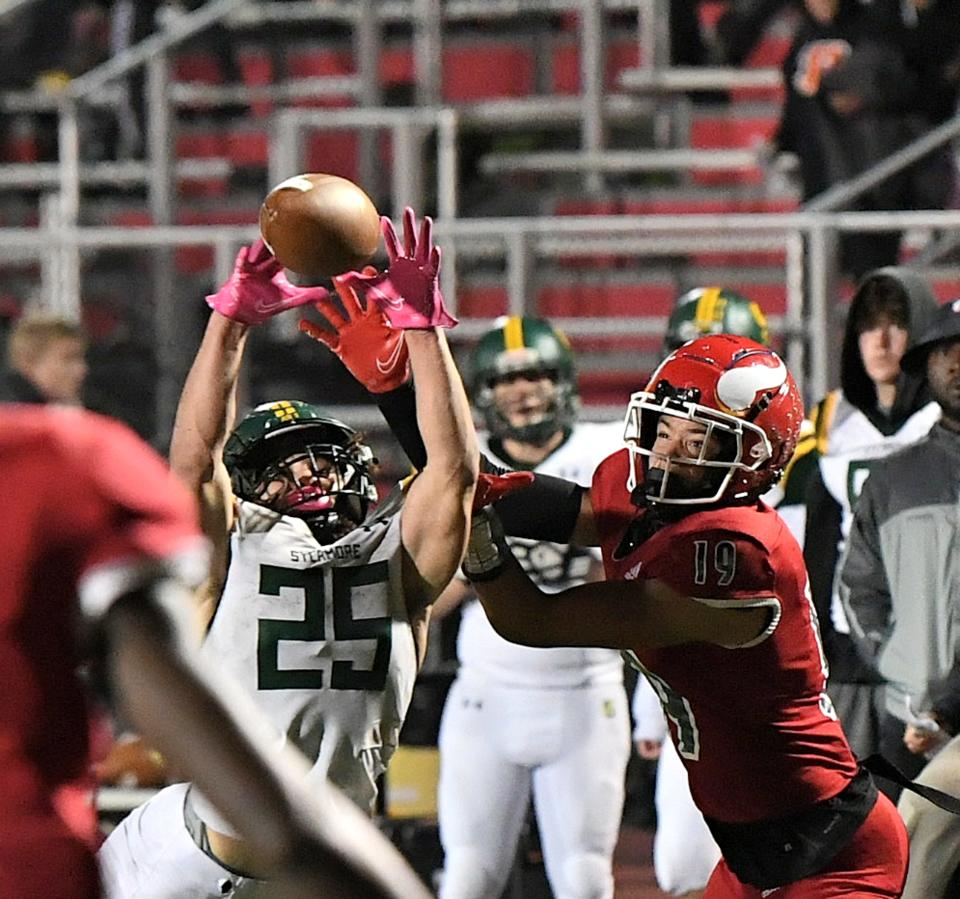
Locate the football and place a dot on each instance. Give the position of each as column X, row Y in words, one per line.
column 320, row 225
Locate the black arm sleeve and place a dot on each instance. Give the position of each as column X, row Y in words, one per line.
column 399, row 410
column 547, row 510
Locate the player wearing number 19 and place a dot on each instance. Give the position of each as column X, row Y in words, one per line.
column 320, row 602
column 706, row 588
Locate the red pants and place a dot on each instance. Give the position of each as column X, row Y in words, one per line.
column 873, row 864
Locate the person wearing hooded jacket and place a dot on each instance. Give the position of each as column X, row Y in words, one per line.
column 900, row 586
column 877, row 409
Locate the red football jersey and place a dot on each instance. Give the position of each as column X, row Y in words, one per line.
column 753, row 725
column 88, row 509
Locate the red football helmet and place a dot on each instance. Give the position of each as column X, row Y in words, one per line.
column 744, row 395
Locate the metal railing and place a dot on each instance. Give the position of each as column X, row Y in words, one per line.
column 524, row 244
column 609, row 162
column 683, row 79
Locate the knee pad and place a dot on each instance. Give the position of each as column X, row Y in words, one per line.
column 471, row 874
column 585, row 875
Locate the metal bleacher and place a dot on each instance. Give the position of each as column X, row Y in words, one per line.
column 571, row 171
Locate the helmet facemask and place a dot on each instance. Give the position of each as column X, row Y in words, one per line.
column 302, row 473
column 560, row 403
column 531, row 348
column 740, row 447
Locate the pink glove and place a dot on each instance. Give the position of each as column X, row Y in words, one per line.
column 375, row 354
column 258, row 288
column 407, row 291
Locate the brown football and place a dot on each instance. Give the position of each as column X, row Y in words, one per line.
column 320, row 225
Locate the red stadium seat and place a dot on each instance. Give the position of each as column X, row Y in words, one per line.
column 712, row 205
column 612, row 387
column 396, row 66
column 717, row 205
column 250, row 148
column 21, row 145
column 710, row 11
column 212, row 144
column 317, row 64
column 198, row 259
column 570, row 300
column 481, row 302
column 568, row 206
column 731, row 132
column 201, row 144
column 333, row 152
column 621, row 54
column 132, row 218
column 770, row 297
column 256, row 70
column 197, row 67
column 487, row 71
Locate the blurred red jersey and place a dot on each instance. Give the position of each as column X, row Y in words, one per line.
column 90, row 511
column 753, row 725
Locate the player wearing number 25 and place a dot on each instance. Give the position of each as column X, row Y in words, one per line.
column 707, row 590
column 320, row 602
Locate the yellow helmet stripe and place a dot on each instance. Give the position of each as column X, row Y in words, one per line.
column 706, row 313
column 513, row 333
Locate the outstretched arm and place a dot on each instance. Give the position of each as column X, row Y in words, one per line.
column 207, row 404
column 436, row 515
column 395, row 332
column 256, row 290
column 640, row 614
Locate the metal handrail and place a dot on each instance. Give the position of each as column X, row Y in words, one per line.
column 41, row 175
column 39, row 100
column 400, row 10
column 407, row 127
column 180, row 29
column 685, row 79
column 183, row 93
column 617, row 161
column 547, row 237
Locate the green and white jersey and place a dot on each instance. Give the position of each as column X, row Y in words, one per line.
column 554, row 567
column 319, row 637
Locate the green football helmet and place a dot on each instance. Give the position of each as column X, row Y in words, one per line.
column 525, row 345
column 275, row 436
column 714, row 310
